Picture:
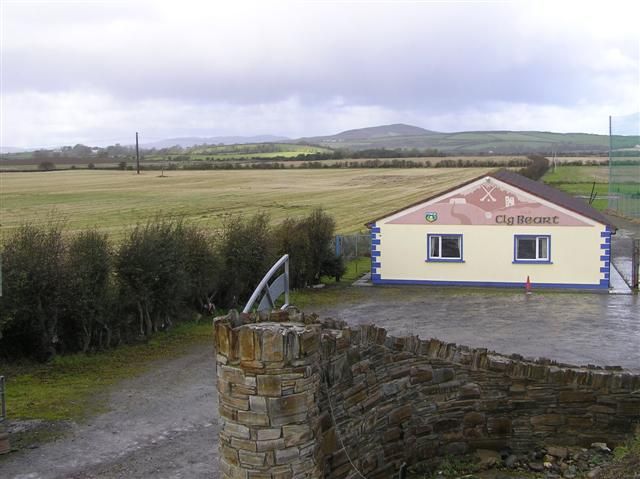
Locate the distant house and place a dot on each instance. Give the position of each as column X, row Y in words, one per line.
column 495, row 230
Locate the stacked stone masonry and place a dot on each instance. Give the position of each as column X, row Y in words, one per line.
column 305, row 398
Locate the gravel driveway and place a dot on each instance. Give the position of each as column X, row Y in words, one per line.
column 162, row 424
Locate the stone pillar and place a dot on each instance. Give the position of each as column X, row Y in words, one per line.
column 268, row 391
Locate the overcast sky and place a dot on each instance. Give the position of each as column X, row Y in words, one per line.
column 95, row 72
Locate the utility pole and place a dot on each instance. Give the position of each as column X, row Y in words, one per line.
column 137, row 154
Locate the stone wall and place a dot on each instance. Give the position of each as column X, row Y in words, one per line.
column 303, row 397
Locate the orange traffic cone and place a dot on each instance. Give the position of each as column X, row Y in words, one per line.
column 527, row 286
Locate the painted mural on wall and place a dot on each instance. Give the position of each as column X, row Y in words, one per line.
column 488, row 203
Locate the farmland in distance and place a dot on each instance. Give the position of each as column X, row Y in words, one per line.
column 113, row 200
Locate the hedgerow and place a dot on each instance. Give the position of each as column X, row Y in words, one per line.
column 65, row 293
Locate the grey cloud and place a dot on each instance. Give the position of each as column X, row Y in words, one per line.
column 399, row 59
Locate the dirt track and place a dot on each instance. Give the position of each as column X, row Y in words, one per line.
column 163, row 424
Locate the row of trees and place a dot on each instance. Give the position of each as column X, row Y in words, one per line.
column 536, row 168
column 375, row 163
column 79, row 292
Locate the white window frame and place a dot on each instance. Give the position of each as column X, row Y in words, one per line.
column 440, row 258
column 538, row 258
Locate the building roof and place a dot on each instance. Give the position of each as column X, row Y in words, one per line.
column 536, row 188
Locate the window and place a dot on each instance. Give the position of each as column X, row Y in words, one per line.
column 444, row 247
column 532, row 249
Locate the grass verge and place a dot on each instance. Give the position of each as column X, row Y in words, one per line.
column 69, row 387
column 333, row 291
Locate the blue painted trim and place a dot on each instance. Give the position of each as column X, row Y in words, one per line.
column 375, row 264
column 516, row 237
column 374, row 247
column 375, row 253
column 605, row 246
column 375, row 241
column 375, row 278
column 490, row 284
column 440, row 259
column 375, row 229
column 374, row 270
column 608, row 228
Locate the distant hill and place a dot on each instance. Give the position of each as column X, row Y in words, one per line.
column 187, row 142
column 397, row 130
column 466, row 142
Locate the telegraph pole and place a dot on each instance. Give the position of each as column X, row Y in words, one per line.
column 137, row 154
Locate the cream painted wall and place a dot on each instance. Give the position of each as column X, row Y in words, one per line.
column 488, row 254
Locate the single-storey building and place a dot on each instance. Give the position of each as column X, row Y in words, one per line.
column 495, row 230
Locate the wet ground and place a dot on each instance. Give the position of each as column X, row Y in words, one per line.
column 162, row 424
column 578, row 328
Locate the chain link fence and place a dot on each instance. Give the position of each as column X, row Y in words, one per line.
column 624, row 165
column 352, row 247
column 625, row 258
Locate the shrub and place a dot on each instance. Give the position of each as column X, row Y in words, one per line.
column 89, row 266
column 537, row 167
column 46, row 165
column 308, row 242
column 202, row 267
column 34, row 286
column 246, row 253
column 150, row 266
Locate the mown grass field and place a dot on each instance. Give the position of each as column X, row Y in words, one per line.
column 114, row 200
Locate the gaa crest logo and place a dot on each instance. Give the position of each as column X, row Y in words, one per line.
column 431, row 216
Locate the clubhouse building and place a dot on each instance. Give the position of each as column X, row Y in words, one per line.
column 495, row 230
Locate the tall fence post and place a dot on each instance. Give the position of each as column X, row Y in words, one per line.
column 635, row 264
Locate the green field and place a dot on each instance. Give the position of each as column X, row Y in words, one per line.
column 234, row 152
column 579, row 181
column 113, row 200
column 498, row 142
